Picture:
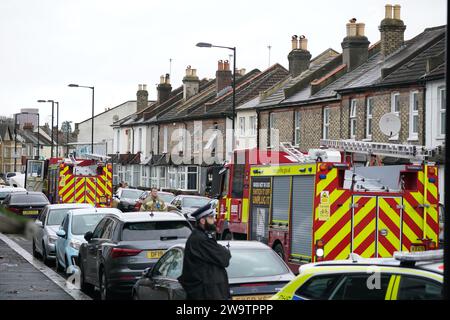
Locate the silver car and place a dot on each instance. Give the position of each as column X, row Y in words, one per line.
column 45, row 227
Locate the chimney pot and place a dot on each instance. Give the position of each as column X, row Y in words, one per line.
column 294, row 42
column 298, row 59
column 360, row 29
column 167, row 78
column 162, row 79
column 351, row 29
column 220, row 65
column 144, row 87
column 388, row 11
column 397, row 12
column 226, row 65
column 355, row 47
column 139, row 87
column 303, row 43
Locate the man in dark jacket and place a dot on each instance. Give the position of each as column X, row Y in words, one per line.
column 204, row 275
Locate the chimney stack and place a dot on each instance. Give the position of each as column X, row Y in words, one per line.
column 223, row 75
column 299, row 58
column 355, row 46
column 191, row 83
column 141, row 97
column 164, row 88
column 392, row 30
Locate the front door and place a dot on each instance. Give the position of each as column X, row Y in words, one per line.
column 389, row 221
column 364, row 215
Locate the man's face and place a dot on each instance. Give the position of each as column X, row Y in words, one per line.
column 209, row 223
column 154, row 193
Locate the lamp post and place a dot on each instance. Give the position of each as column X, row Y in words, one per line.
column 57, row 128
column 67, row 137
column 53, row 113
column 15, row 142
column 209, row 45
column 92, row 120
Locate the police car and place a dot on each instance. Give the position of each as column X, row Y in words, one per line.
column 406, row 276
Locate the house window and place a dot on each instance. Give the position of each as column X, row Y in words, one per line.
column 197, row 136
column 154, row 140
column 442, row 110
column 395, row 108
column 297, row 128
column 153, row 177
column 162, row 177
column 129, row 134
column 326, row 123
column 252, row 125
column 353, row 106
column 413, row 115
column 271, row 129
column 140, row 140
column 192, row 177
column 165, row 140
column 369, row 110
column 118, row 140
column 242, row 126
column 172, row 173
column 136, row 173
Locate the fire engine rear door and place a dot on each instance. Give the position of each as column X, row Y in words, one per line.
column 364, row 235
column 91, row 190
column 389, row 221
column 80, row 189
column 302, row 216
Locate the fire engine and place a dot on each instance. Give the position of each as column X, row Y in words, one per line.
column 72, row 180
column 313, row 207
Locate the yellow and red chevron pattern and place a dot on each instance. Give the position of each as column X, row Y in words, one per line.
column 80, row 186
column 364, row 226
column 389, row 221
column 66, row 186
column 335, row 232
column 420, row 213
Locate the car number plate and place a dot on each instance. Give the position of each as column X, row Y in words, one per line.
column 30, row 212
column 255, row 297
column 155, row 254
column 417, row 248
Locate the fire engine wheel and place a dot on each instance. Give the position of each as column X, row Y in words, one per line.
column 278, row 248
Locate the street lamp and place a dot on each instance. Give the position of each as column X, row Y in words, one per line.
column 67, row 136
column 57, row 128
column 209, row 45
column 53, row 112
column 92, row 132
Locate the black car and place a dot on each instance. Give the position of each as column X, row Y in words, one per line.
column 126, row 198
column 121, row 248
column 255, row 272
column 25, row 203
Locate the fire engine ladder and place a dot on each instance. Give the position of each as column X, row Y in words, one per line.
column 293, row 152
column 381, row 149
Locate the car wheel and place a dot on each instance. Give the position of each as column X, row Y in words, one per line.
column 44, row 256
column 105, row 293
column 84, row 286
column 35, row 253
column 279, row 250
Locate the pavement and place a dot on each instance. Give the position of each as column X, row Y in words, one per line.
column 23, row 277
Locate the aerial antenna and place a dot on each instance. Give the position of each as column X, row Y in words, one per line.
column 269, row 47
column 170, row 67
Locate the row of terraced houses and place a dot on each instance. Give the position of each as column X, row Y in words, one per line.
column 335, row 95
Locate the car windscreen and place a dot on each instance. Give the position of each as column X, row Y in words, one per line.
column 84, row 223
column 255, row 263
column 195, row 202
column 166, row 197
column 156, row 230
column 56, row 216
column 131, row 194
column 24, row 199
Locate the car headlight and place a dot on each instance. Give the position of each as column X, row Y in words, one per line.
column 52, row 239
column 75, row 244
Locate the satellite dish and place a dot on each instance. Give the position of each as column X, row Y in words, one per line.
column 390, row 124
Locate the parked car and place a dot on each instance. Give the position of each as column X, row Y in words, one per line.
column 188, row 203
column 71, row 234
column 5, row 190
column 126, row 198
column 255, row 272
column 26, row 203
column 121, row 248
column 9, row 175
column 45, row 227
column 407, row 276
column 167, row 197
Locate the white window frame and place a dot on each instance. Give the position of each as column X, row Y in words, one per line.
column 394, row 96
column 242, row 126
column 413, row 114
column 252, row 125
column 326, row 123
column 271, row 128
column 297, row 119
column 166, row 139
column 118, row 140
column 140, row 139
column 353, row 107
column 369, row 118
column 154, row 139
column 442, row 109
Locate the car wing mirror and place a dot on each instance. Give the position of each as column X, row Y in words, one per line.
column 88, row 236
column 147, row 272
column 60, row 233
column 39, row 223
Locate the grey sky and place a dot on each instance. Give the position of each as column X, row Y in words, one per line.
column 116, row 45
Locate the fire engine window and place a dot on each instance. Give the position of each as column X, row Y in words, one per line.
column 414, row 288
column 319, row 287
column 238, row 181
column 360, row 287
column 408, row 180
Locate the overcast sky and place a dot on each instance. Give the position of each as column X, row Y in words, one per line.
column 115, row 45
